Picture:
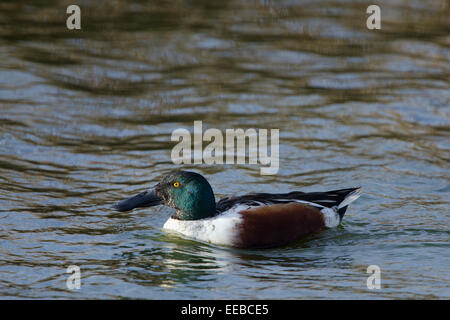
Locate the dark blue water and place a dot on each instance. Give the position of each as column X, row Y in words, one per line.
column 86, row 120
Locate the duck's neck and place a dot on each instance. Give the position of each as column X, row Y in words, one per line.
column 200, row 206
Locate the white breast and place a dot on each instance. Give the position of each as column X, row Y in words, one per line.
column 221, row 229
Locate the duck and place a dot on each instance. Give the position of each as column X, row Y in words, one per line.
column 253, row 220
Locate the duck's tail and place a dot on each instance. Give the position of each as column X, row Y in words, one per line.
column 350, row 195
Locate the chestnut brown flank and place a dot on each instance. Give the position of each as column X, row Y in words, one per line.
column 277, row 224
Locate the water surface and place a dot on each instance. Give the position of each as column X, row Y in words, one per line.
column 86, row 120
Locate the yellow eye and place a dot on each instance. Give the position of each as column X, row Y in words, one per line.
column 176, row 184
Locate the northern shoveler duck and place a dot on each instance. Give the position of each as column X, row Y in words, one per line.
column 254, row 220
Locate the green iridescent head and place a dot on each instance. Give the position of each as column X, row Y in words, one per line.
column 189, row 193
